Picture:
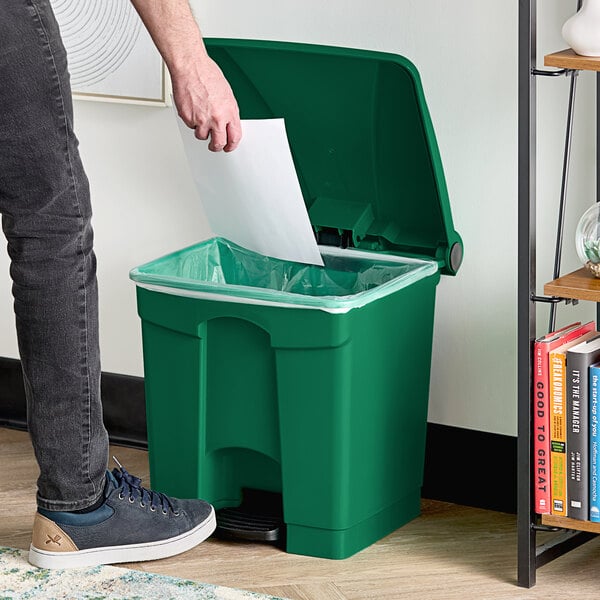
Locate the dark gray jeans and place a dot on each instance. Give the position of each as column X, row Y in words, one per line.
column 46, row 212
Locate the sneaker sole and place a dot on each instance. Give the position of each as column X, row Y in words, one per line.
column 128, row 553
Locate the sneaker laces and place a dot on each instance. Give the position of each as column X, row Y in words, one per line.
column 130, row 486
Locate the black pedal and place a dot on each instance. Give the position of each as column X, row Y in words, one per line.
column 259, row 518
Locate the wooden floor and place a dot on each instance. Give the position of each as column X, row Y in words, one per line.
column 450, row 552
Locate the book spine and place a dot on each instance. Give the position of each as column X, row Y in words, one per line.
column 594, row 442
column 541, row 426
column 558, row 434
column 577, row 436
column 540, row 410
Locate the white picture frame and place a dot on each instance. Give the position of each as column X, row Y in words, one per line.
column 111, row 55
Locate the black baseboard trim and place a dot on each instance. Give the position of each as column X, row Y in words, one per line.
column 474, row 468
column 464, row 466
column 123, row 401
column 12, row 395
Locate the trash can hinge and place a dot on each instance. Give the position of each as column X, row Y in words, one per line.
column 328, row 236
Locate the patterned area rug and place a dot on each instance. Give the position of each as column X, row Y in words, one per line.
column 20, row 581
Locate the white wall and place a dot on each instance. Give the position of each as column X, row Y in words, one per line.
column 466, row 52
column 552, row 112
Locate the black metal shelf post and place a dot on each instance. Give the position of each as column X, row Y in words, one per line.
column 530, row 555
column 526, row 284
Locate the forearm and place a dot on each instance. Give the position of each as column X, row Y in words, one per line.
column 174, row 32
column 203, row 97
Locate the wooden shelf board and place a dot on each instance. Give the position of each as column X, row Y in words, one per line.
column 566, row 523
column 568, row 59
column 580, row 285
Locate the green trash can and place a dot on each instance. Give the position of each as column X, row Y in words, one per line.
column 306, row 381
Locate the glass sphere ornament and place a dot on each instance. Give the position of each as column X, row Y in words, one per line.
column 587, row 239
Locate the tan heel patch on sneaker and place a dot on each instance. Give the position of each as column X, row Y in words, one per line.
column 47, row 535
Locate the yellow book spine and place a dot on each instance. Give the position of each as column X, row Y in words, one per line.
column 558, row 433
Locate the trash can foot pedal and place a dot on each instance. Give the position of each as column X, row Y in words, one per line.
column 259, row 518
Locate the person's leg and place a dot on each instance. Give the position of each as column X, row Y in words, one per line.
column 44, row 201
column 45, row 206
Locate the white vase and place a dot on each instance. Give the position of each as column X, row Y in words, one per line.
column 582, row 30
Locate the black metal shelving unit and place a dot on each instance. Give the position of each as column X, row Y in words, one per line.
column 532, row 555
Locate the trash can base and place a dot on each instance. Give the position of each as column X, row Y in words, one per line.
column 339, row 544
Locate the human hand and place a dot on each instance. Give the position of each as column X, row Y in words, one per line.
column 205, row 103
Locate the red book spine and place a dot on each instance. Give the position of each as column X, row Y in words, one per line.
column 541, row 412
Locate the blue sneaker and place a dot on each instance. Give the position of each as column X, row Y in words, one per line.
column 133, row 524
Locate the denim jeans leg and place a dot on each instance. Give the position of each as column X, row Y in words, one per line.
column 46, row 213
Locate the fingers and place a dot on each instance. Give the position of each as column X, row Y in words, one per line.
column 227, row 139
column 202, row 131
column 217, row 121
column 206, row 104
column 218, row 139
column 234, row 136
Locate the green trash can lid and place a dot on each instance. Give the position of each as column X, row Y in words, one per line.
column 362, row 141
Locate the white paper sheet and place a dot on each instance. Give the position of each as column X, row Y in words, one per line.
column 251, row 196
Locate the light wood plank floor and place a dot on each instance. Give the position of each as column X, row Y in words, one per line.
column 450, row 552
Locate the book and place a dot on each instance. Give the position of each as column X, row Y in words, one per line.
column 558, row 424
column 541, row 418
column 594, row 373
column 579, row 359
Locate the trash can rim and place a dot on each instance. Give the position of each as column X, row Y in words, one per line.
column 284, row 299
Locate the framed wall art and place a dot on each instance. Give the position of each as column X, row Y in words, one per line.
column 111, row 55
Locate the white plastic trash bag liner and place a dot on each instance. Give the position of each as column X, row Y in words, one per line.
column 350, row 279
